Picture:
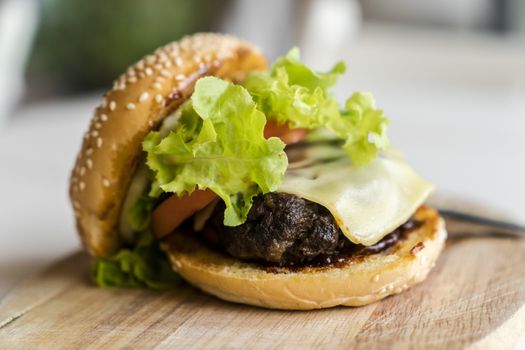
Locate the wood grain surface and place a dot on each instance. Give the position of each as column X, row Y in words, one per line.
column 474, row 298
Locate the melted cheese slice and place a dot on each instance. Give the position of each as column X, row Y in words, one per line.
column 367, row 202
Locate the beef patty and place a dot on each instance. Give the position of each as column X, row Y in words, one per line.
column 282, row 229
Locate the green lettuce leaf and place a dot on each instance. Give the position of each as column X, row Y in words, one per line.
column 218, row 144
column 294, row 94
column 368, row 125
column 140, row 213
column 301, row 75
column 144, row 265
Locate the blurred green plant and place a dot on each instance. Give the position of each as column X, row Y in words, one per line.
column 84, row 45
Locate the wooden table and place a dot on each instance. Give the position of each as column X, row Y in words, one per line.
column 474, row 298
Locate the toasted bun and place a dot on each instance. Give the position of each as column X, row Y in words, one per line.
column 356, row 282
column 148, row 91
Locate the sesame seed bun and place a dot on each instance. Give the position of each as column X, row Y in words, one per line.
column 358, row 281
column 149, row 91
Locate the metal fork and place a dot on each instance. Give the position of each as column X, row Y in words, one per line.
column 465, row 225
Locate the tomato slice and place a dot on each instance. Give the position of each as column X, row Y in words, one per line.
column 284, row 132
column 174, row 210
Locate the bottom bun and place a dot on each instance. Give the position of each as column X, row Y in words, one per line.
column 358, row 281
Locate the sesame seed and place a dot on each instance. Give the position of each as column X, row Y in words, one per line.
column 130, row 106
column 178, row 61
column 105, row 182
column 81, row 185
column 158, row 66
column 140, row 65
column 142, row 75
column 157, row 85
column 132, row 80
column 104, row 102
column 99, row 142
column 82, row 171
column 160, row 79
column 143, row 97
column 179, row 77
column 165, row 73
column 376, row 278
column 159, row 98
column 89, row 163
column 89, row 151
column 162, row 57
column 150, row 59
column 148, row 71
column 86, row 135
column 112, row 105
column 94, row 133
column 76, row 205
column 167, row 64
column 97, row 125
column 114, row 147
column 151, row 123
column 103, row 117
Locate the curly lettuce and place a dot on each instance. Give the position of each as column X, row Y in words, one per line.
column 294, row 94
column 144, row 265
column 219, row 145
column 368, row 128
column 140, row 213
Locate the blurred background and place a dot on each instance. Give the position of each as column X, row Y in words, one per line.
column 53, row 48
column 450, row 74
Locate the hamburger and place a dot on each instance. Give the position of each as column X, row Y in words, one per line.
column 250, row 183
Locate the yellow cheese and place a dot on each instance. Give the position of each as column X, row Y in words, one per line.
column 369, row 201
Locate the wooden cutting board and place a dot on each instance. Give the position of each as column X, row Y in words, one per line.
column 474, row 298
